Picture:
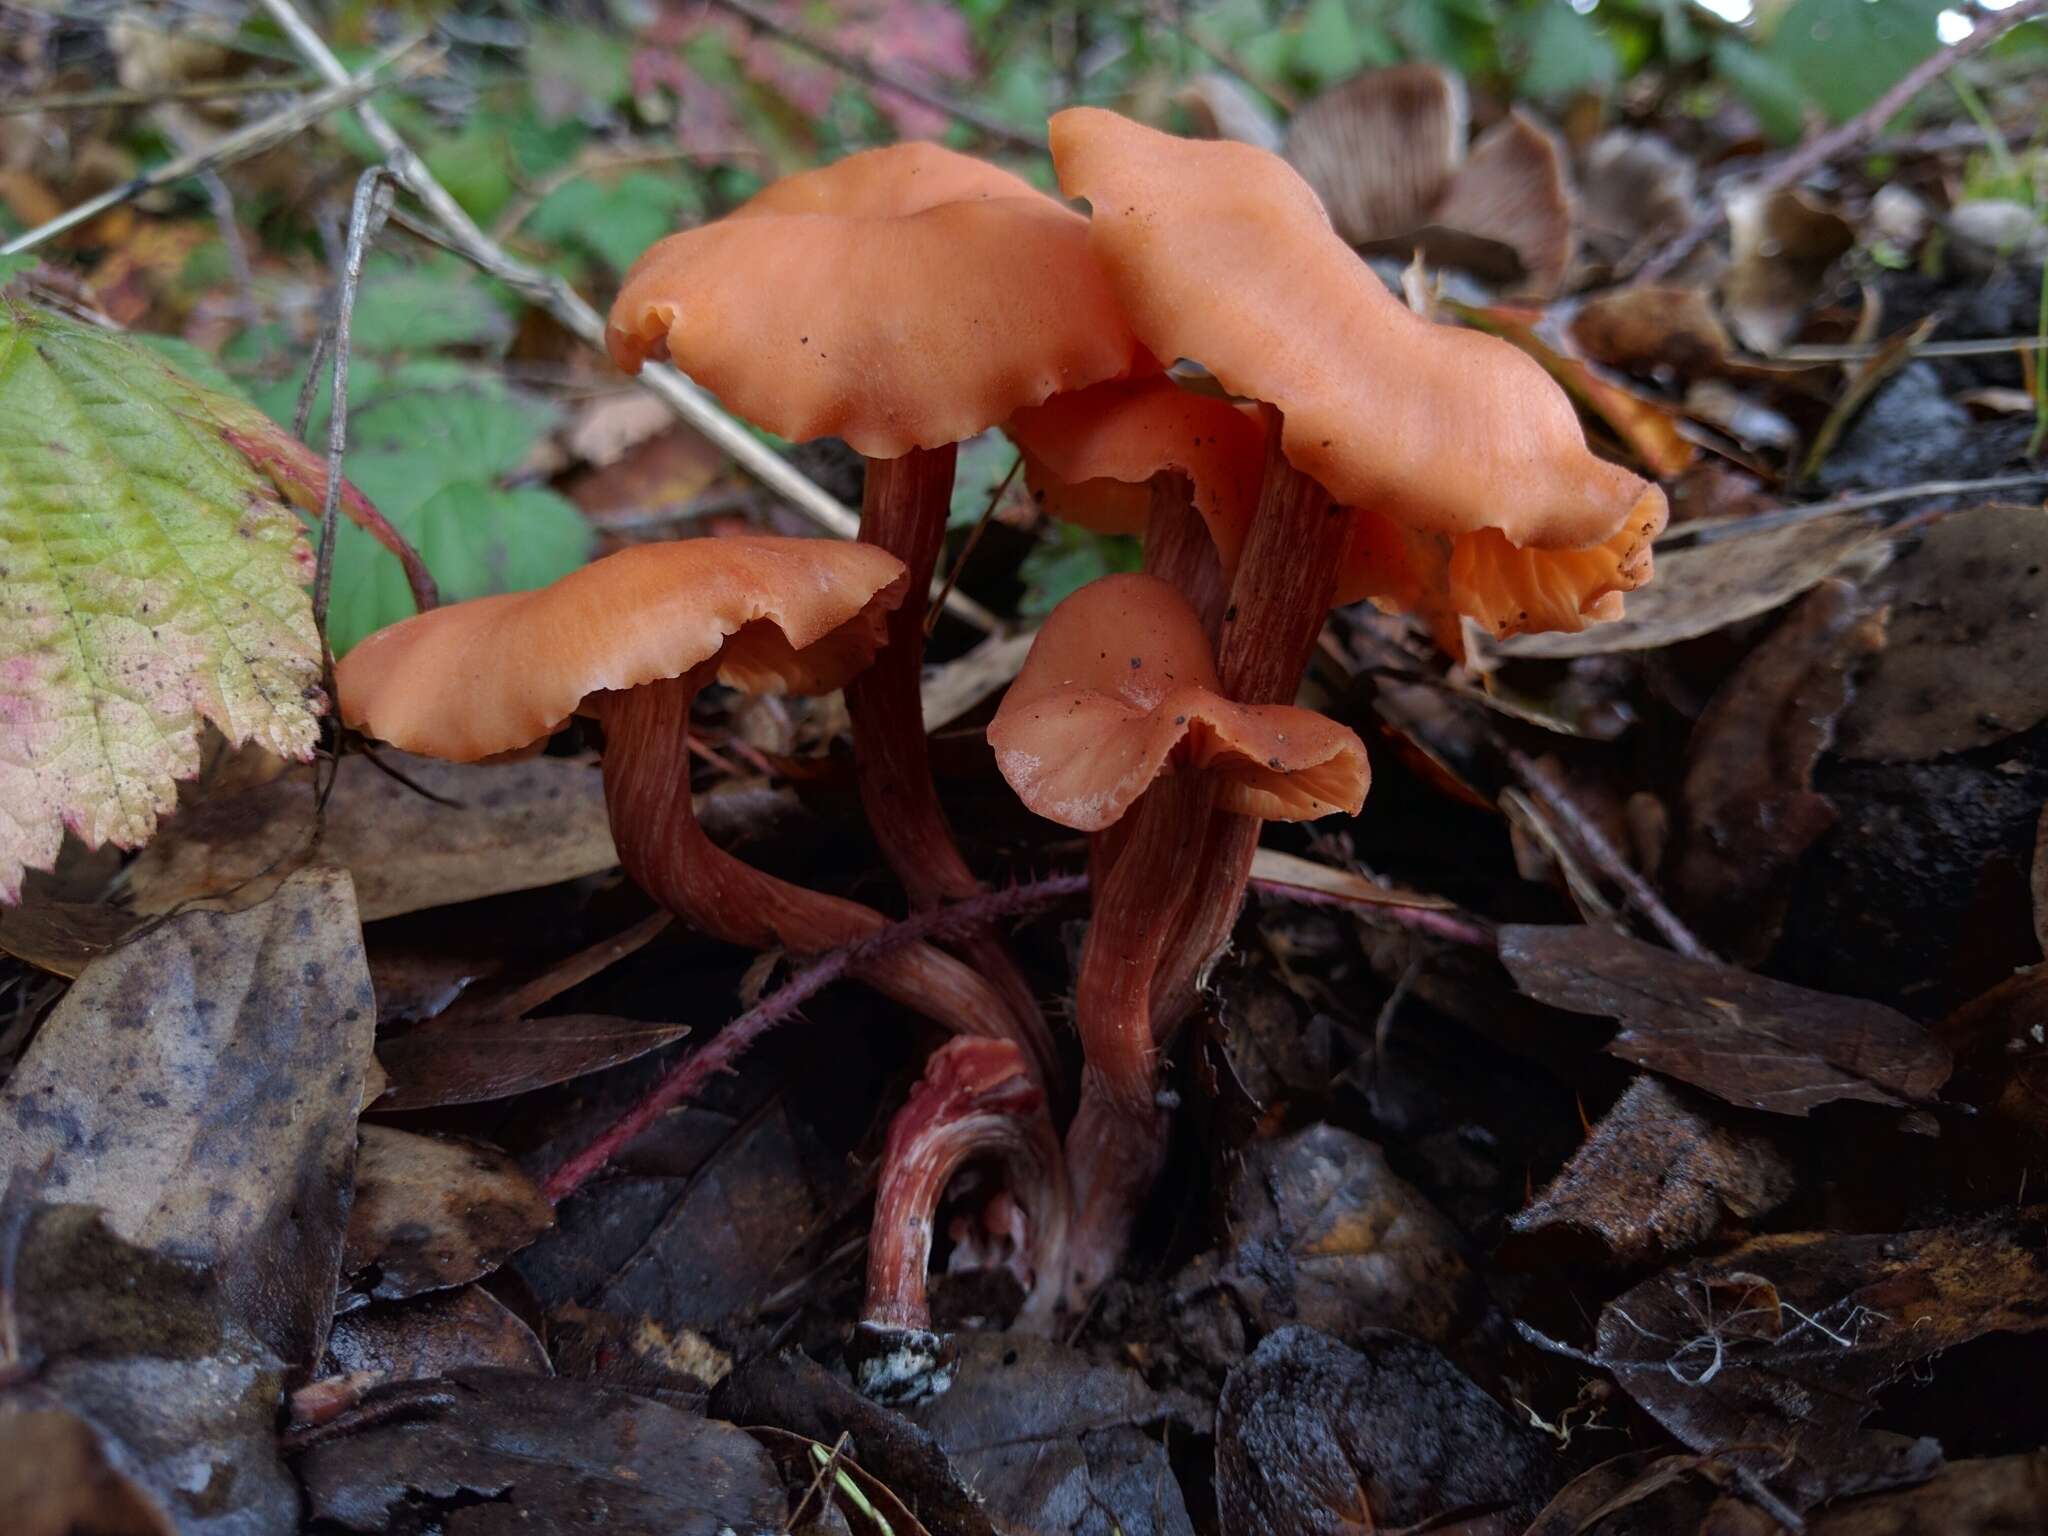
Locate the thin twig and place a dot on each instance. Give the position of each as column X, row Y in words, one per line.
column 223, row 203
column 346, row 90
column 1544, row 785
column 1692, row 535
column 459, row 232
column 688, row 1076
column 1987, row 346
column 981, row 523
column 887, row 79
column 202, row 90
column 1810, row 157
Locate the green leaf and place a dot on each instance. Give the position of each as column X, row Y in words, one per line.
column 419, row 306
column 985, row 463
column 1847, row 53
column 150, row 581
column 13, row 266
column 1334, row 45
column 1766, row 85
column 615, row 222
column 1067, row 559
column 1564, row 53
column 476, row 539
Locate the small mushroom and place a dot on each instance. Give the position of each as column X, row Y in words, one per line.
column 904, row 299
column 631, row 639
column 1119, row 709
column 977, row 1101
column 1381, row 148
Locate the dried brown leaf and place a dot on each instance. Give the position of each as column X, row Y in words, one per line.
column 432, row 1212
column 1755, row 1042
column 1315, row 1439
column 1771, row 1356
column 1658, row 1176
column 508, row 1452
column 1965, row 662
column 201, row 1086
column 1710, row 586
column 1748, row 809
column 56, row 1478
column 496, row 827
column 470, row 1062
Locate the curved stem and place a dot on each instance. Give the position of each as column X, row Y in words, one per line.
column 665, row 851
column 976, row 1100
column 903, row 509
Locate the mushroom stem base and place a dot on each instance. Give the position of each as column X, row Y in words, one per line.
column 976, row 1100
column 666, row 852
column 903, row 510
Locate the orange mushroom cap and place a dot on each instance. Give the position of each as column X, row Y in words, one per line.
column 904, row 297
column 1088, row 455
column 494, row 674
column 1221, row 253
column 1121, row 682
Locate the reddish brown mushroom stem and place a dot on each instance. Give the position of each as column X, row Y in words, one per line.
column 1181, row 551
column 903, row 510
column 1144, row 960
column 666, row 852
column 976, row 1100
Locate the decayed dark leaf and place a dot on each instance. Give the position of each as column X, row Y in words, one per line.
column 2000, row 1043
column 1659, row 1176
column 2037, row 882
column 201, row 1085
column 497, row 827
column 1054, row 1443
column 152, row 1352
column 1994, row 1496
column 1748, row 809
column 507, row 1452
column 1759, row 1043
column 1710, row 586
column 56, row 1480
column 1316, row 1439
column 1641, row 1494
column 432, row 1212
column 1966, row 653
column 794, row 1393
column 431, row 1336
column 468, row 1063
column 695, row 1247
column 1323, row 1232
column 1771, row 1356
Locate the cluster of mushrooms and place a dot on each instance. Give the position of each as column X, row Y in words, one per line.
column 1331, row 446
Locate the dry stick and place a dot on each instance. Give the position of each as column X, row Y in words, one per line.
column 1692, row 535
column 733, row 1042
column 1836, row 141
column 1640, row 893
column 346, row 90
column 687, row 399
column 204, row 90
column 371, row 207
column 887, row 79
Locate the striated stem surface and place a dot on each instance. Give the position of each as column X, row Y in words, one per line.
column 1176, row 873
column 903, row 510
column 665, row 851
